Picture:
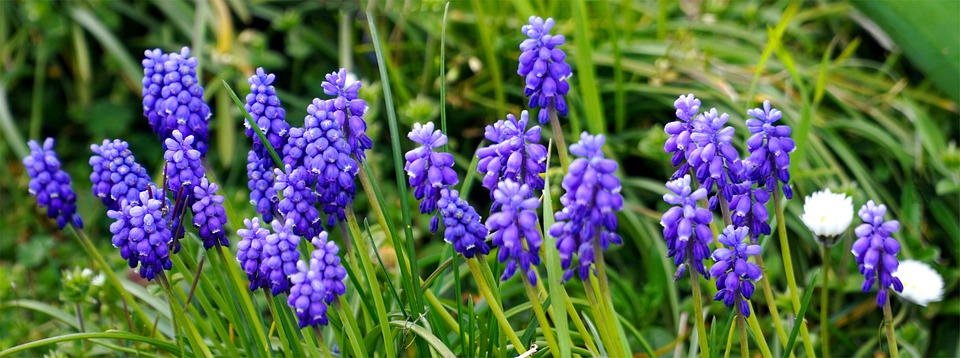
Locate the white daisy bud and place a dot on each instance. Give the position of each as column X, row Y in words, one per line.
column 827, row 215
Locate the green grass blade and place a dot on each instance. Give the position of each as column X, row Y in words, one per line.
column 426, row 335
column 589, row 90
column 803, row 310
column 10, row 133
column 554, row 272
column 131, row 70
column 44, row 308
column 159, row 344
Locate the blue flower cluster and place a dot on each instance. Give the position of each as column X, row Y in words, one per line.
column 116, row 174
column 264, row 107
column 590, row 201
column 462, row 224
column 347, row 109
column 183, row 169
column 769, row 147
column 514, row 153
column 298, row 204
column 253, row 238
column 686, row 226
column 317, row 285
column 279, row 257
column 50, row 184
column 748, row 208
column 328, row 160
column 429, row 169
column 173, row 97
column 209, row 214
column 714, row 160
column 734, row 274
column 544, row 67
column 876, row 252
column 680, row 130
column 141, row 231
column 263, row 195
column 514, row 228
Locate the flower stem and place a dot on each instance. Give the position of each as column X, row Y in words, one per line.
column 888, row 322
column 350, row 326
column 276, row 320
column 744, row 348
column 698, row 310
column 363, row 254
column 754, row 325
column 606, row 298
column 558, row 137
column 541, row 316
column 825, row 303
column 788, row 270
column 595, row 309
column 494, row 304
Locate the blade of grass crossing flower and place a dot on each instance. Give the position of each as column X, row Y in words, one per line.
column 417, row 303
column 554, row 272
column 372, row 282
column 585, row 71
column 256, row 128
column 803, row 310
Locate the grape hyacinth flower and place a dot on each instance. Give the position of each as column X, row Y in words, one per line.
column 748, row 208
column 51, row 185
column 514, row 153
column 921, row 283
column 429, row 169
column 317, row 285
column 298, row 204
column 328, row 160
column 293, row 151
column 827, row 215
column 714, row 160
column 183, row 169
column 462, row 224
column 116, row 174
column 769, row 147
column 590, row 201
column 263, row 195
column 514, row 227
column 265, row 109
column 679, row 142
column 179, row 104
column 142, row 234
column 734, row 274
column 347, row 109
column 209, row 214
column 253, row 238
column 279, row 257
column 686, row 226
column 876, row 252
column 543, row 65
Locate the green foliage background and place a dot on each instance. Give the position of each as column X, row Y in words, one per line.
column 870, row 88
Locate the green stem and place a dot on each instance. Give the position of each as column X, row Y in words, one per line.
column 607, row 299
column 541, row 316
column 888, row 322
column 494, row 304
column 363, row 253
column 825, row 303
column 698, row 310
column 276, row 320
column 758, row 333
column 558, row 137
column 578, row 323
column 788, row 270
column 744, row 349
column 771, row 303
column 597, row 310
column 350, row 326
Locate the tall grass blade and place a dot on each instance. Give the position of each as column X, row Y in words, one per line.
column 803, row 310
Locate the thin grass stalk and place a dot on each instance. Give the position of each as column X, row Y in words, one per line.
column 606, row 298
column 493, row 301
column 578, row 323
column 79, row 313
column 825, row 303
column 541, row 316
column 744, row 348
column 368, row 270
column 596, row 310
column 754, row 326
column 698, row 309
column 558, row 136
column 888, row 323
column 284, row 341
column 350, row 327
column 788, row 270
column 437, row 306
column 252, row 314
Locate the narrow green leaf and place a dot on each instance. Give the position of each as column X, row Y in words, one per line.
column 803, row 310
column 554, row 272
column 159, row 344
column 44, row 308
column 589, row 89
column 132, row 72
column 426, row 335
column 256, row 128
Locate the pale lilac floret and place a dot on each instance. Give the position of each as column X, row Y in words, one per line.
column 514, row 228
column 685, row 226
column 429, row 169
column 876, row 251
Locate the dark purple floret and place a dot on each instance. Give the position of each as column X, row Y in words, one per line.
column 298, row 203
column 733, row 272
column 769, row 148
column 514, row 153
column 142, row 233
column 253, row 238
column 462, row 226
column 329, row 162
column 280, row 256
column 184, row 168
column 317, row 285
column 591, row 200
column 514, row 227
column 179, row 104
column 429, row 169
column 265, row 109
column 116, row 174
column 263, row 196
column 51, row 185
column 679, row 142
column 876, row 252
column 686, row 226
column 544, row 67
column 209, row 215
column 347, row 109
column 714, row 159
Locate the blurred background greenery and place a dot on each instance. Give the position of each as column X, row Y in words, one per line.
column 870, row 88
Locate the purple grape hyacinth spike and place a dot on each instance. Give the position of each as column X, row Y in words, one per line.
column 298, row 203
column 679, row 142
column 429, row 169
column 543, row 65
column 514, row 153
column 347, row 109
column 769, row 149
column 141, row 230
column 876, row 251
column 183, row 169
column 261, row 178
column 316, row 285
column 714, row 160
column 685, row 226
column 514, row 228
column 265, row 109
column 327, row 157
column 50, row 184
column 209, row 216
column 280, row 256
column 116, row 175
column 173, row 96
column 462, row 225
column 733, row 273
column 253, row 239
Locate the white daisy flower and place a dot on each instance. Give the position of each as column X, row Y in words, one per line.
column 827, row 215
column 921, row 284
